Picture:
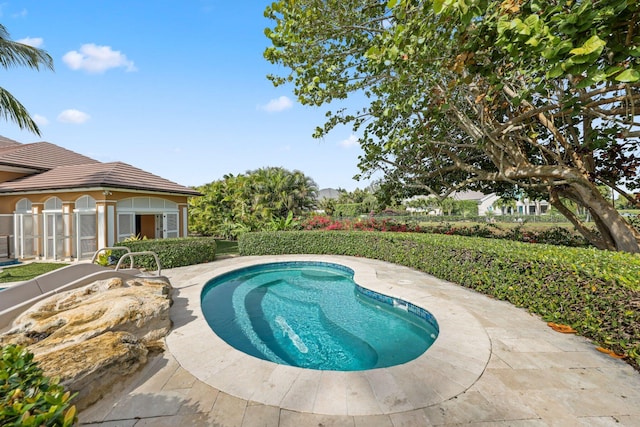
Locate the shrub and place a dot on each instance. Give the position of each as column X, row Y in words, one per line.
column 349, row 210
column 553, row 236
column 595, row 292
column 27, row 398
column 171, row 252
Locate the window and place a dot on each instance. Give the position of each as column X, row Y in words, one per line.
column 86, row 203
column 52, row 204
column 23, row 206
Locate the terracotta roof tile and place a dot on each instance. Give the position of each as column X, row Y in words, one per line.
column 6, row 142
column 114, row 175
column 39, row 155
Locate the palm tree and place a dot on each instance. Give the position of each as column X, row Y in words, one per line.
column 278, row 191
column 17, row 54
column 506, row 206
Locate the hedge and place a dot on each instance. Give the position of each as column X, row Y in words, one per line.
column 171, row 252
column 595, row 292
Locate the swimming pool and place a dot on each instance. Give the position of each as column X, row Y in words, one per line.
column 312, row 315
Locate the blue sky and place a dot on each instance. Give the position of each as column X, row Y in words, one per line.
column 177, row 88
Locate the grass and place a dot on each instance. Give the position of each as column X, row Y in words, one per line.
column 27, row 271
column 226, row 247
column 24, row 272
column 526, row 226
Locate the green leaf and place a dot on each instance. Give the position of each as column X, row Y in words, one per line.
column 391, row 3
column 504, row 26
column 613, row 70
column 373, row 52
column 69, row 416
column 594, row 44
column 533, row 41
column 629, row 75
column 531, row 20
column 585, row 83
column 437, row 5
column 556, row 71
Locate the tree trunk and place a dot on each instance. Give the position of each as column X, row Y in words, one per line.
column 616, row 233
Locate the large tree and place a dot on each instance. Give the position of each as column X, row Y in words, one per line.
column 14, row 54
column 506, row 95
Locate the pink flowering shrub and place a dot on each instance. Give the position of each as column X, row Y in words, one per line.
column 554, row 236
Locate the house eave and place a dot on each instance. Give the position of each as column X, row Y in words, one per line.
column 18, row 169
column 87, row 189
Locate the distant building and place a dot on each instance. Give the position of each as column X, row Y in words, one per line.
column 485, row 201
column 527, row 206
column 328, row 193
column 486, row 204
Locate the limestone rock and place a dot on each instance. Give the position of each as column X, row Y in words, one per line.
column 92, row 367
column 94, row 336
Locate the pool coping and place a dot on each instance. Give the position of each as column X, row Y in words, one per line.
column 448, row 368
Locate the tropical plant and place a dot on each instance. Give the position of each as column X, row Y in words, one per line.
column 327, row 205
column 277, row 192
column 506, row 205
column 17, row 54
column 27, row 397
column 481, row 94
column 251, row 201
column 282, row 224
column 104, row 258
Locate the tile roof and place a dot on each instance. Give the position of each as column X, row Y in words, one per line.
column 6, row 142
column 113, row 175
column 40, row 156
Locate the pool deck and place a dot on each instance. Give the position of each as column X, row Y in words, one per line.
column 492, row 364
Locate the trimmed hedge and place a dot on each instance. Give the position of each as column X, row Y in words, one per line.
column 595, row 292
column 171, row 252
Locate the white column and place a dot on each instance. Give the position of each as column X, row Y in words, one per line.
column 101, row 226
column 111, row 225
column 185, row 222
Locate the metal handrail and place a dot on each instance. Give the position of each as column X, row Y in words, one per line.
column 131, row 254
column 110, row 248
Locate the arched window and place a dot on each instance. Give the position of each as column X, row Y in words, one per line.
column 23, row 206
column 86, row 203
column 52, row 204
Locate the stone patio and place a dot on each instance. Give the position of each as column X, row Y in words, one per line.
column 496, row 365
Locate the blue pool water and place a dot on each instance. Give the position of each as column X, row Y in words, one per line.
column 312, row 315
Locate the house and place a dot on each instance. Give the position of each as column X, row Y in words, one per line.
column 526, row 206
column 56, row 204
column 487, row 204
column 484, row 201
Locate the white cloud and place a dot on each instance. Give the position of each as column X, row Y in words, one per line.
column 97, row 59
column 20, row 14
column 32, row 41
column 349, row 142
column 278, row 104
column 40, row 120
column 73, row 116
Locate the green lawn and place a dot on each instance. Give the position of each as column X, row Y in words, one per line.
column 226, row 247
column 27, row 271
column 20, row 273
